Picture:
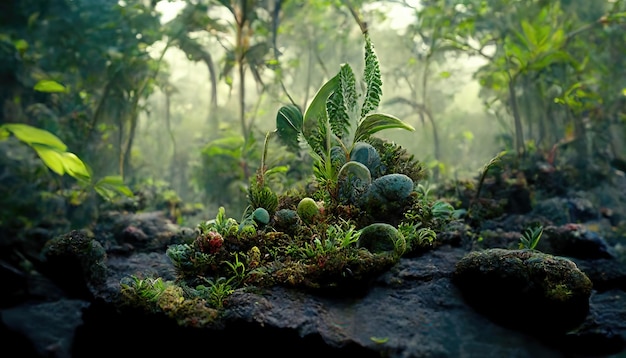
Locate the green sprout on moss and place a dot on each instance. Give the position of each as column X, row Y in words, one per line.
column 238, row 268
column 216, row 291
column 337, row 237
column 530, row 237
column 148, row 289
column 221, row 224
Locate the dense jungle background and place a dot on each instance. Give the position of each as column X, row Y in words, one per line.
column 167, row 103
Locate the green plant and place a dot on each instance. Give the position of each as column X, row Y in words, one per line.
column 149, row 289
column 483, row 175
column 530, row 238
column 260, row 195
column 336, row 111
column 238, row 268
column 53, row 153
column 216, row 291
column 344, row 233
column 416, row 235
column 221, row 224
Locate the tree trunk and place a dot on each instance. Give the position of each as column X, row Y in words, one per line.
column 519, row 134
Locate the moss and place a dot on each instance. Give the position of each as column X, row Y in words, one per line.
column 543, row 292
column 308, row 210
column 382, row 238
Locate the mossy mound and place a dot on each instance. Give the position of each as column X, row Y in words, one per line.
column 527, row 289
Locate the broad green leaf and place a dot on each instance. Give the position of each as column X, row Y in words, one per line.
column 31, row 135
column 4, row 133
column 624, row 92
column 375, row 123
column 51, row 157
column 49, row 86
column 317, row 107
column 75, row 167
column 289, row 126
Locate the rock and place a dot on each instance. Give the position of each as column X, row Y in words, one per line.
column 574, row 240
column 286, row 220
column 525, row 289
column 367, row 155
column 390, row 187
column 261, row 216
column 337, row 156
column 145, row 232
column 353, row 181
column 49, row 326
column 75, row 261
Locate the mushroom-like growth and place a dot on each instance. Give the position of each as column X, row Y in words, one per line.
column 308, row 210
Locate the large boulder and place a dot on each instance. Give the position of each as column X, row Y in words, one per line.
column 525, row 289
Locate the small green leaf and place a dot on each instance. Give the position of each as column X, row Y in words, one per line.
column 31, row 135
column 49, row 86
column 375, row 123
column 379, row 340
column 20, row 45
column 445, row 74
column 624, row 91
column 108, row 186
column 75, row 167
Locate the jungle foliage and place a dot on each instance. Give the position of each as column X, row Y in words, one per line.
column 98, row 75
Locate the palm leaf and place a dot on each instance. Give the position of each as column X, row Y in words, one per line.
column 318, row 137
column 376, row 122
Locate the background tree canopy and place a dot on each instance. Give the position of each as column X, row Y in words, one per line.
column 175, row 97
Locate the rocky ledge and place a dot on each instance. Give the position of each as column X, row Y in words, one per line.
column 416, row 309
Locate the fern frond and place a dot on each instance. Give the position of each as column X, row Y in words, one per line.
column 317, row 137
column 372, row 78
column 342, row 103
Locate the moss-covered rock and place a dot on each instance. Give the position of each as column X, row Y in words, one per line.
column 367, row 155
column 525, row 289
column 286, row 220
column 382, row 238
column 308, row 210
column 75, row 261
column 391, row 187
column 261, row 216
column 353, row 180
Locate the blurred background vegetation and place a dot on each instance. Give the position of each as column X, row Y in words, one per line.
column 176, row 96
